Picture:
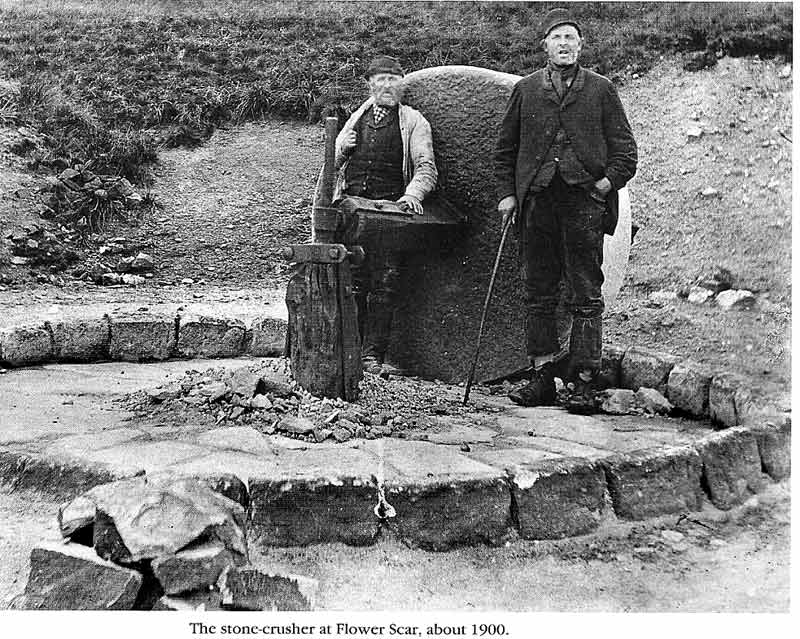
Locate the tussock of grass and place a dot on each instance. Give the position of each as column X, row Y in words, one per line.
column 110, row 81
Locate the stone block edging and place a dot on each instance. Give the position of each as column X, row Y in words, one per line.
column 139, row 337
column 694, row 389
column 548, row 499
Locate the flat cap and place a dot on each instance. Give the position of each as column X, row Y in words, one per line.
column 557, row 17
column 383, row 64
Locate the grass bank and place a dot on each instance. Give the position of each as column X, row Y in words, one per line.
column 110, row 81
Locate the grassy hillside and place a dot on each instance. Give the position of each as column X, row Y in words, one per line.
column 110, row 81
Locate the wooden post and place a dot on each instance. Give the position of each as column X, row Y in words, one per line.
column 322, row 335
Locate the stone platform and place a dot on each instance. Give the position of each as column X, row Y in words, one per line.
column 534, row 473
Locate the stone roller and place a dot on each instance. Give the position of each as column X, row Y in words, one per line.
column 435, row 329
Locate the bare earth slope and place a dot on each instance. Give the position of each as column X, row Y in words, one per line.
column 230, row 204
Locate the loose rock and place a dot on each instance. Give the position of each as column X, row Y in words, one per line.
column 618, row 401
column 653, row 402
column 73, row 577
column 699, row 295
column 735, row 299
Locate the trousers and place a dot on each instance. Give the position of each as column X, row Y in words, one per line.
column 562, row 240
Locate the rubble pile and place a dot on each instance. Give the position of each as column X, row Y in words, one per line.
column 119, row 261
column 158, row 543
column 88, row 199
column 266, row 397
column 34, row 246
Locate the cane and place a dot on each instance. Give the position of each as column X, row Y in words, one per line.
column 471, row 377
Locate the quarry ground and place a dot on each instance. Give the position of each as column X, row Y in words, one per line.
column 229, row 205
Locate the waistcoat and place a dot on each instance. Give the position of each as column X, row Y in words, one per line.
column 375, row 169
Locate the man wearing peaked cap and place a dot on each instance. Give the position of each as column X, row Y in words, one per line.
column 564, row 149
column 383, row 152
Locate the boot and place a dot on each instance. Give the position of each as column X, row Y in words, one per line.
column 582, row 394
column 540, row 391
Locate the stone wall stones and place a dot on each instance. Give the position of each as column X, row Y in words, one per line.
column 558, row 498
column 142, row 337
column 654, row 482
column 203, row 336
column 688, row 386
column 651, row 369
column 731, row 467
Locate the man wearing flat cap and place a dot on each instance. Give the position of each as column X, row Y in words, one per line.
column 564, row 150
column 383, row 152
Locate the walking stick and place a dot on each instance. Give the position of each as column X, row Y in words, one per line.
column 471, row 377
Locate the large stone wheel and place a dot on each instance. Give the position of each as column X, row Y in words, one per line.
column 437, row 324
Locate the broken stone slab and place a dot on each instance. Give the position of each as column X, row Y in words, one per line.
column 654, row 482
column 76, row 519
column 251, row 588
column 142, row 337
column 267, row 337
column 731, row 466
column 558, row 498
column 81, row 340
column 222, row 482
column 26, row 345
column 137, row 519
column 72, row 577
column 726, row 392
column 775, row 449
column 203, row 336
column 618, row 401
column 653, row 402
column 735, row 299
column 642, row 367
column 610, row 371
column 688, row 387
column 194, row 568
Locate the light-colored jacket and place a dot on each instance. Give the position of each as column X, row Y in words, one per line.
column 419, row 164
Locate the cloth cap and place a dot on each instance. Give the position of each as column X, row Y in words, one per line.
column 383, row 64
column 557, row 17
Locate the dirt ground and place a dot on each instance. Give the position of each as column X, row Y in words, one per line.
column 724, row 562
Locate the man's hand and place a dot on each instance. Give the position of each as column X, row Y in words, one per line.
column 603, row 186
column 349, row 142
column 508, row 209
column 410, row 202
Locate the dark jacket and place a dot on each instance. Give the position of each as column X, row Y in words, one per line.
column 595, row 124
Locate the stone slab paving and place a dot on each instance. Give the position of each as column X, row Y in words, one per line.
column 538, row 473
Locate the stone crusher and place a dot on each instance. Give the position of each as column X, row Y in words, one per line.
column 323, row 341
column 454, row 245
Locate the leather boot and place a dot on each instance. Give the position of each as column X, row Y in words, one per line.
column 540, row 391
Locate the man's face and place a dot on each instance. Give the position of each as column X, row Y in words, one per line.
column 385, row 88
column 563, row 45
